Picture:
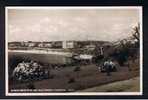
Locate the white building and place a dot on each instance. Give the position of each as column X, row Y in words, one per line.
column 68, row 44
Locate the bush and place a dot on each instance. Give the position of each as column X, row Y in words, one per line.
column 77, row 69
column 71, row 80
column 51, row 76
column 30, row 86
column 121, row 55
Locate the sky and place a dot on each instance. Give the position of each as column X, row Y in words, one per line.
column 70, row 24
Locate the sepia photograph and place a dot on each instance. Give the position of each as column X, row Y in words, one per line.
column 73, row 50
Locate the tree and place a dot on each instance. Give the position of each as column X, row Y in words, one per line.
column 136, row 33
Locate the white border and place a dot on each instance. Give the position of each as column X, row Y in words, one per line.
column 75, row 93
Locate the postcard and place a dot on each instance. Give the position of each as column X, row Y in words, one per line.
column 88, row 50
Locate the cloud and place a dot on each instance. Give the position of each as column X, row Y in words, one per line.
column 49, row 25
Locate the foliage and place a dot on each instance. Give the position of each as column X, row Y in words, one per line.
column 71, row 80
column 30, row 85
column 126, row 48
column 77, row 69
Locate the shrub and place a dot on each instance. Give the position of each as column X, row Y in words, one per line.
column 77, row 69
column 71, row 80
column 30, row 86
